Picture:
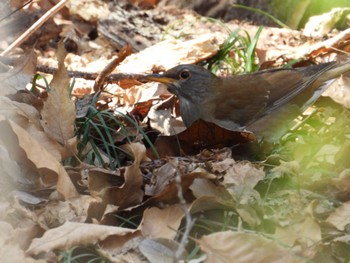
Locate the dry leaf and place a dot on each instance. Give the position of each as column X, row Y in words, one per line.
column 161, row 223
column 88, row 10
column 159, row 250
column 340, row 217
column 170, row 193
column 72, row 234
column 169, row 53
column 130, row 193
column 10, row 172
column 28, row 118
column 18, row 77
column 160, row 179
column 58, row 112
column 339, row 91
column 49, row 168
column 229, row 246
column 243, row 173
column 305, row 231
column 203, row 187
column 58, row 212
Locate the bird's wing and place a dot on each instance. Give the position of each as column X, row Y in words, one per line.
column 252, row 96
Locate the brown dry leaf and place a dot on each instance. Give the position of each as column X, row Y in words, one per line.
column 58, row 113
column 307, row 231
column 90, row 11
column 169, row 53
column 10, row 172
column 340, row 217
column 48, row 167
column 159, row 250
column 339, row 91
column 161, row 223
column 205, row 203
column 243, row 173
column 160, row 179
column 342, row 182
column 71, row 234
column 18, row 77
column 229, row 246
column 28, row 118
column 99, row 179
column 11, row 251
column 169, row 195
column 130, row 193
column 57, row 212
column 202, row 187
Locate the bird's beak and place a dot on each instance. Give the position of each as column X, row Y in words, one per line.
column 158, row 78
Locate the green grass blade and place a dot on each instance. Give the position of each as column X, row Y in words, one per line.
column 274, row 19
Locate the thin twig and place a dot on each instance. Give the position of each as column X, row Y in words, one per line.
column 103, row 75
column 34, row 27
column 15, row 11
column 90, row 75
column 189, row 222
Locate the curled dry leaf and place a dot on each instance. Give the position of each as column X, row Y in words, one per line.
column 130, row 193
column 50, row 170
column 71, row 234
column 28, row 118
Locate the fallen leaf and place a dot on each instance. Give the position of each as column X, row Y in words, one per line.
column 170, row 53
column 18, row 77
column 340, row 217
column 161, row 223
column 130, row 193
column 243, row 173
column 339, row 91
column 223, row 247
column 307, row 231
column 50, row 170
column 71, row 234
column 203, row 187
column 58, row 112
column 28, row 118
column 159, row 250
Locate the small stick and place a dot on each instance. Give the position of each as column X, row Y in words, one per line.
column 124, row 52
column 34, row 27
column 90, row 75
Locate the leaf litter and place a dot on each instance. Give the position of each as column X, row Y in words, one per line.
column 276, row 210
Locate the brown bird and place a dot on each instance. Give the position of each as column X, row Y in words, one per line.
column 263, row 102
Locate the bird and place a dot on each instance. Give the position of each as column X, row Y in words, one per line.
column 264, row 102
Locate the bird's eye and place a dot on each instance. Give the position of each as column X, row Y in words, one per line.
column 185, row 74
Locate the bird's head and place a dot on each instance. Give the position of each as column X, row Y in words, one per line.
column 187, row 82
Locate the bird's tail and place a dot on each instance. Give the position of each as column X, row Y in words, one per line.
column 335, row 71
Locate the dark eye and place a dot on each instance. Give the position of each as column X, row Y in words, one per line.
column 185, row 74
